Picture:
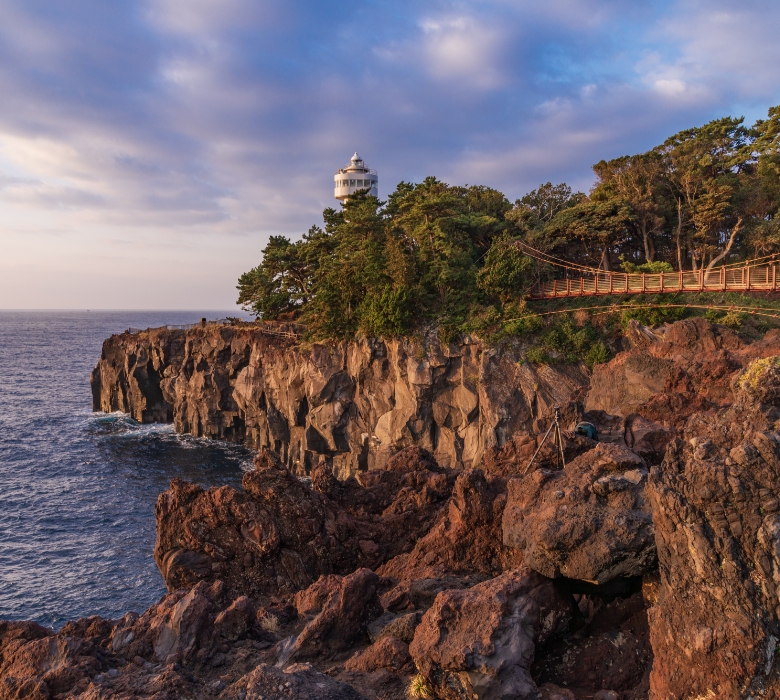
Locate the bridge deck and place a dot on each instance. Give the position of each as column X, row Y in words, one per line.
column 756, row 278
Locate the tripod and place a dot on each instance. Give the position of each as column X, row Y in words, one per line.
column 560, row 462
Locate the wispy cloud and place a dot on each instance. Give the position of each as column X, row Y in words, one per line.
column 167, row 139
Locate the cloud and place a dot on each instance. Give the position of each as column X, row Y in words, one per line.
column 177, row 135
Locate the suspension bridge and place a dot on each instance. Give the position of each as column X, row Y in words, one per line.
column 756, row 275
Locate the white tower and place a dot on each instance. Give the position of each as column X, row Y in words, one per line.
column 353, row 177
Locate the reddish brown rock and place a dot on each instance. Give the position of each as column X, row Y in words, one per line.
column 35, row 664
column 514, row 457
column 481, row 641
column 611, row 653
column 467, row 538
column 346, row 606
column 674, row 371
column 589, row 522
column 296, row 682
column 279, row 535
column 388, row 652
column 716, row 508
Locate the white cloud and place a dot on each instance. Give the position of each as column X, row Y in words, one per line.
column 670, row 87
column 463, row 49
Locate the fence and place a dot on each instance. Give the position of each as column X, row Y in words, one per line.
column 755, row 278
column 282, row 330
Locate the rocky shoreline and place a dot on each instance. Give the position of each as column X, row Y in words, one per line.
column 648, row 568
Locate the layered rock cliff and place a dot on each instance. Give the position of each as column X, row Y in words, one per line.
column 648, row 568
column 353, row 403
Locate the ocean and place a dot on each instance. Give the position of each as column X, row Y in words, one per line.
column 77, row 488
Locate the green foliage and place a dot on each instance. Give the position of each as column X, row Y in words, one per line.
column 537, row 355
column 419, row 688
column 597, row 354
column 563, row 341
column 653, row 316
column 437, row 254
column 731, row 319
column 386, row 312
column 649, row 267
column 505, row 271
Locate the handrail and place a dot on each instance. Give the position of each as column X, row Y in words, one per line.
column 368, row 171
column 749, row 278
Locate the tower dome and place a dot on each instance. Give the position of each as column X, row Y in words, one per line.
column 355, row 177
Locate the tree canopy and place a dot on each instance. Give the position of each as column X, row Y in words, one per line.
column 447, row 254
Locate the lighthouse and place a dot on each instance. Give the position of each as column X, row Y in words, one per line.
column 353, row 177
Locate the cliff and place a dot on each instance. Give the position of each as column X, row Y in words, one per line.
column 354, row 403
column 647, row 569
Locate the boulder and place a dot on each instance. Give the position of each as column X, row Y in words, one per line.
column 400, row 626
column 36, row 664
column 184, row 627
column 589, row 521
column 347, row 605
column 480, row 642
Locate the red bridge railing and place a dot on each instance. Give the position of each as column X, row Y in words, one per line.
column 750, row 278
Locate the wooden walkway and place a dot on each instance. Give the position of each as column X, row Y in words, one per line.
column 746, row 278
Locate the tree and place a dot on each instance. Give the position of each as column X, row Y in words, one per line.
column 601, row 227
column 505, row 273
column 635, row 180
column 702, row 170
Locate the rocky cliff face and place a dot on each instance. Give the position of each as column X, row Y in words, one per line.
column 353, row 403
column 647, row 569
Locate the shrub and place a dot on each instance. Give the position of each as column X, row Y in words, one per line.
column 597, row 355
column 419, row 688
column 538, row 356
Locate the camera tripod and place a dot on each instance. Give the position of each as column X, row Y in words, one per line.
column 555, row 428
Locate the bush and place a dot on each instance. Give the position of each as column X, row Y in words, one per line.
column 537, row 355
column 597, row 355
column 653, row 316
column 732, row 319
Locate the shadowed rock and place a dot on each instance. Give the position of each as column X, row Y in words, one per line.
column 589, row 521
column 280, row 535
column 480, row 642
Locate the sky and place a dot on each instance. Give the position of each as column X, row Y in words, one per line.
column 149, row 148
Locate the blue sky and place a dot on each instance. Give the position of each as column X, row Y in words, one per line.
column 149, row 148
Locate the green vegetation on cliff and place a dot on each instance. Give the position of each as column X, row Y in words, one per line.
column 442, row 254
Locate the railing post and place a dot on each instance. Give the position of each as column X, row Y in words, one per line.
column 661, row 281
column 774, row 277
column 568, row 287
column 723, row 278
column 582, row 286
column 611, row 281
column 555, row 288
column 680, row 273
column 643, row 282
column 747, row 270
column 701, row 279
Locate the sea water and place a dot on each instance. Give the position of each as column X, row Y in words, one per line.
column 77, row 488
